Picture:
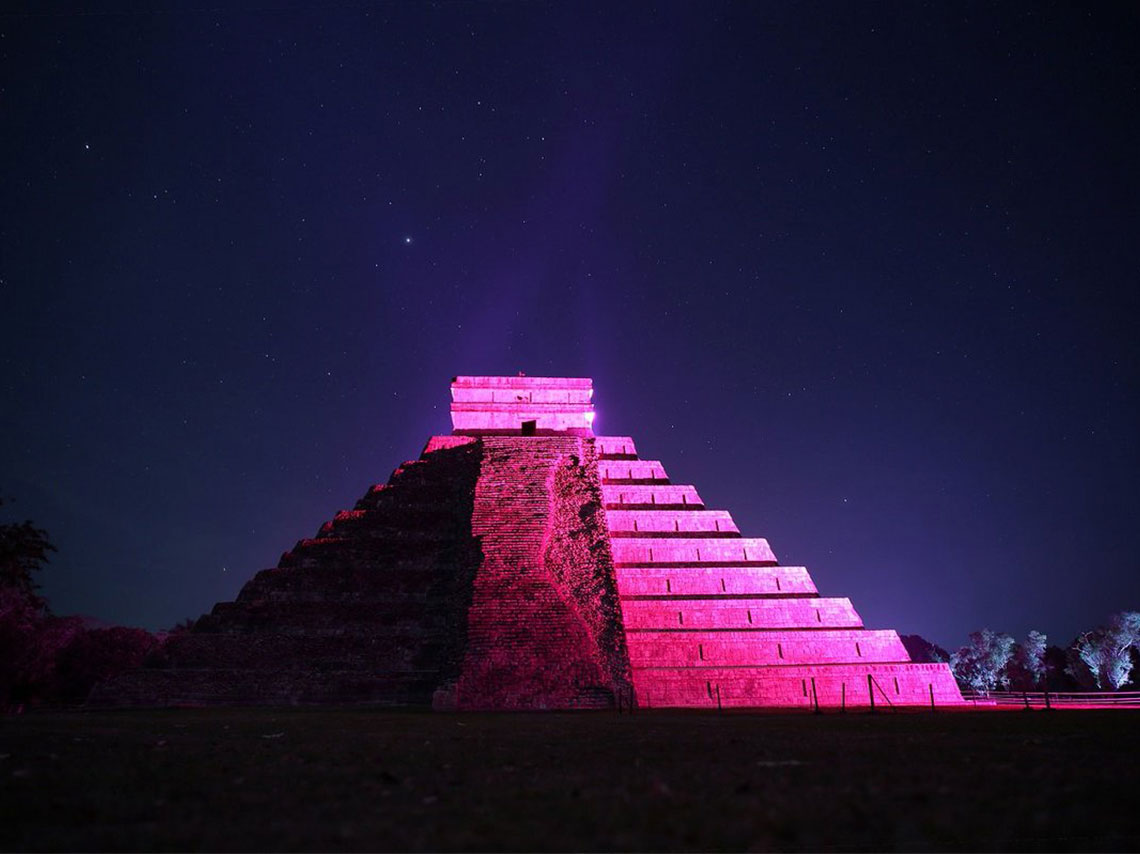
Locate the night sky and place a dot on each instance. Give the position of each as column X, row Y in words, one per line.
column 865, row 274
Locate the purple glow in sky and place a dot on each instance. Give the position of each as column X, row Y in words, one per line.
column 866, row 276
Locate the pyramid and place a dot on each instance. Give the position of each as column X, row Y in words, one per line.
column 524, row 563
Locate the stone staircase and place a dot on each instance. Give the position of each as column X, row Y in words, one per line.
column 534, row 623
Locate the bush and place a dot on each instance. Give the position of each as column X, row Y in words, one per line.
column 97, row 654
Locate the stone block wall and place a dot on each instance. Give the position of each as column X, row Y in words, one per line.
column 698, row 551
column 544, row 623
column 674, row 613
column 832, row 686
column 652, row 497
column 763, row 648
column 734, row 580
column 711, row 618
column 630, row 523
column 504, row 405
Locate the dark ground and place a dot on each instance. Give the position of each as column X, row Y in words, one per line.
column 239, row 779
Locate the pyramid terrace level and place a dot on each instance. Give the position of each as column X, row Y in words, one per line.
column 522, row 405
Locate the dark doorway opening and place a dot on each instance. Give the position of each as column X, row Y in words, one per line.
column 529, row 428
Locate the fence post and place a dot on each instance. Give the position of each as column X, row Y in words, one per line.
column 718, row 706
column 930, row 685
column 871, row 692
column 1048, row 708
column 1025, row 696
column 843, row 697
column 814, row 695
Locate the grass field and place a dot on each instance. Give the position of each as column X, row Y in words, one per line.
column 362, row 779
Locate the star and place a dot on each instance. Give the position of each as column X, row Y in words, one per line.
column 407, row 240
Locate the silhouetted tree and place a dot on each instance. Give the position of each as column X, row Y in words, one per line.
column 24, row 550
column 44, row 658
column 97, row 654
column 923, row 651
column 1057, row 676
column 20, row 620
column 1026, row 670
column 981, row 664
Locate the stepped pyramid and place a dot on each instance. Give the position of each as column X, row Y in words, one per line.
column 523, row 562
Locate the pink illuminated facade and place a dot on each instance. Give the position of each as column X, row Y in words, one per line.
column 712, row 618
column 482, row 406
column 709, row 616
column 524, row 563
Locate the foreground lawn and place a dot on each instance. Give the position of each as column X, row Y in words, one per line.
column 336, row 779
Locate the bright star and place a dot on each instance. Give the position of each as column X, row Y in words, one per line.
column 408, row 239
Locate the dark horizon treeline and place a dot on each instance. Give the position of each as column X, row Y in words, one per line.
column 1105, row 658
column 46, row 659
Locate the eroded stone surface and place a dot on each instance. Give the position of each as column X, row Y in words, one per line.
column 544, row 623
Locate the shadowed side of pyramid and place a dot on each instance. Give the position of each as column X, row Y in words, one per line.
column 478, row 577
column 371, row 609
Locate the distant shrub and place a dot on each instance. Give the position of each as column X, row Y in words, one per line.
column 30, row 644
column 97, row 654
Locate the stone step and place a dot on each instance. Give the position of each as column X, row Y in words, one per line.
column 738, row 614
column 632, row 471
column 619, row 497
column 712, row 581
column 750, row 649
column 834, row 686
column 615, row 446
column 659, row 522
column 648, row 551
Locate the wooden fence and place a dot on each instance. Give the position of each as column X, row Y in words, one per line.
column 1055, row 700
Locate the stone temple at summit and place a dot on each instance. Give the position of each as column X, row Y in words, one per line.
column 522, row 563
